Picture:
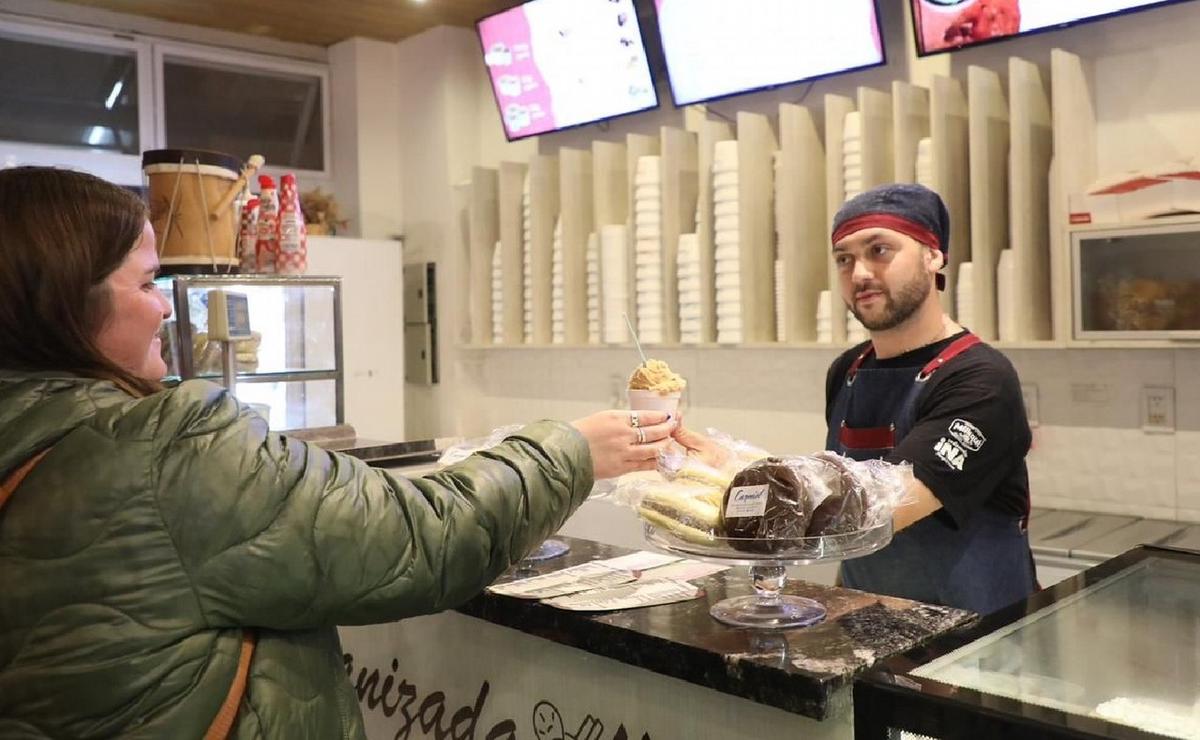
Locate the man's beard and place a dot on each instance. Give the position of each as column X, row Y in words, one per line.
column 897, row 310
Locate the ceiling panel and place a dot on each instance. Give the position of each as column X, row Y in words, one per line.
column 319, row 22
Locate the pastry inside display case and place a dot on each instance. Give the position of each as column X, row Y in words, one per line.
column 1141, row 282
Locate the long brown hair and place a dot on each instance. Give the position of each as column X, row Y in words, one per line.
column 62, row 233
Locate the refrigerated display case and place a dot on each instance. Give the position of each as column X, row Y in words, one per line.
column 291, row 369
column 1111, row 653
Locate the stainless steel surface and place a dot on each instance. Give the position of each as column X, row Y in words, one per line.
column 1091, row 527
column 229, row 366
column 1189, row 539
column 1142, row 532
column 1052, row 523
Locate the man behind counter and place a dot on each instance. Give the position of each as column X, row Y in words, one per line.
column 926, row 391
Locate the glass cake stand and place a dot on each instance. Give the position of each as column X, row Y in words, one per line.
column 768, row 607
column 548, row 550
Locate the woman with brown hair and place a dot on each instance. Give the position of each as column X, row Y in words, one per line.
column 169, row 567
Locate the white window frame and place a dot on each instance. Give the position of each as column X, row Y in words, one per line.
column 123, row 169
column 248, row 62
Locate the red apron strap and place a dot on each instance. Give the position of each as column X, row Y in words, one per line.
column 870, row 438
column 956, row 348
column 858, row 361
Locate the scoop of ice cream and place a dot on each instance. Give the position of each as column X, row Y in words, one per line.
column 656, row 375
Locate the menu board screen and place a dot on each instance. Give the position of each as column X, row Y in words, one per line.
column 554, row 64
column 717, row 48
column 942, row 25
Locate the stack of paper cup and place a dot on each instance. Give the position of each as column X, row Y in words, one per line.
column 728, row 263
column 780, row 329
column 856, row 333
column 527, row 262
column 614, row 283
column 497, row 295
column 690, row 304
column 965, row 295
column 825, row 317
column 852, row 154
column 1006, row 298
column 780, row 293
column 558, row 334
column 593, row 288
column 925, row 162
column 648, row 259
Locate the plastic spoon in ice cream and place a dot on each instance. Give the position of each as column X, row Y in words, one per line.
column 636, row 343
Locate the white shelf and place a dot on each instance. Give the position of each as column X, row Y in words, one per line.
column 877, row 160
column 803, row 237
column 1029, row 199
column 576, row 206
column 483, row 232
column 679, row 179
column 989, row 135
column 512, row 245
column 610, row 183
column 836, row 110
column 709, row 133
column 1075, row 168
column 543, row 204
column 756, row 225
column 948, row 130
column 911, row 123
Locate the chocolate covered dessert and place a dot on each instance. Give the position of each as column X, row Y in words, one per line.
column 844, row 509
column 767, row 507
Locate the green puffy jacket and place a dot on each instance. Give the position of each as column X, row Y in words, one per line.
column 157, row 528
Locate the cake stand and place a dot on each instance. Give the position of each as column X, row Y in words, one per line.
column 768, row 607
column 548, row 550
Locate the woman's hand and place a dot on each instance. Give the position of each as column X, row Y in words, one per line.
column 624, row 441
column 703, row 448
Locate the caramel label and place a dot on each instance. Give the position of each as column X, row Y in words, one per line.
column 746, row 501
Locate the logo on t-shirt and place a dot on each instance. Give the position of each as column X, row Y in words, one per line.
column 968, row 434
column 950, row 453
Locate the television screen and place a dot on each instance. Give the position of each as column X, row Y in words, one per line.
column 952, row 24
column 561, row 63
column 717, row 48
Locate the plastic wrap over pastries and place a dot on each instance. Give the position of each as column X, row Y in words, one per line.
column 776, row 503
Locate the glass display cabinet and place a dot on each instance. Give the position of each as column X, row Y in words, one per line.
column 290, row 370
column 1113, row 652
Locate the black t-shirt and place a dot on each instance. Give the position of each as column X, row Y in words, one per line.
column 976, row 396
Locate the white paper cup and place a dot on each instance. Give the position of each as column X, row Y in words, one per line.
column 654, row 401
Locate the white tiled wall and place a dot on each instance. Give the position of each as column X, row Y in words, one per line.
column 1090, row 452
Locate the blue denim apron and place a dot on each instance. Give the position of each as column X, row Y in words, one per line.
column 983, row 566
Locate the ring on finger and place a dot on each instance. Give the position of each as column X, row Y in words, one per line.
column 641, row 436
column 633, row 419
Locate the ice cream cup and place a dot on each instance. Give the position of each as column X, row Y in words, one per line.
column 643, row 400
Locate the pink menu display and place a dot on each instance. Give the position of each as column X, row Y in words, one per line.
column 561, row 63
column 716, row 48
column 953, row 24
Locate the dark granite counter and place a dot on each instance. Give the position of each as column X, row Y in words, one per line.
column 343, row 438
column 797, row 670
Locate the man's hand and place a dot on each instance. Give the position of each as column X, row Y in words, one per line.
column 918, row 503
column 703, row 448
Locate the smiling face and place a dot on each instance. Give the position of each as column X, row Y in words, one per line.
column 884, row 276
column 547, row 722
column 129, row 337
